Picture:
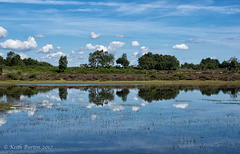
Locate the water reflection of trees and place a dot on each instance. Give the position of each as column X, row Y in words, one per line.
column 233, row 92
column 62, row 93
column 155, row 94
column 100, row 96
column 14, row 93
column 123, row 94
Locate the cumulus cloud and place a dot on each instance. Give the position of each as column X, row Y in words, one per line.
column 40, row 36
column 3, row 32
column 180, row 47
column 17, row 45
column 94, row 35
column 56, row 55
column 47, row 48
column 181, row 105
column 113, row 46
column 1, row 54
column 135, row 43
column 143, row 50
column 23, row 55
column 90, row 46
column 58, row 48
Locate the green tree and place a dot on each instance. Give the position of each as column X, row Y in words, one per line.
column 210, row 63
column 234, row 63
column 158, row 62
column 63, row 63
column 14, row 59
column 101, row 58
column 2, row 61
column 123, row 60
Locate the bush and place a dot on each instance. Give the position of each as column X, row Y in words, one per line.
column 179, row 75
column 33, row 76
column 153, row 75
column 13, row 76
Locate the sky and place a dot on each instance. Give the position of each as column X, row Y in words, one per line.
column 189, row 30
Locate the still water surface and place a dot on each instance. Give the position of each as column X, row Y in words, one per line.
column 110, row 119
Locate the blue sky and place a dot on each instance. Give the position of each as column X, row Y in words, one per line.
column 189, row 30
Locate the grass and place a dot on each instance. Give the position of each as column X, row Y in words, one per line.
column 155, row 82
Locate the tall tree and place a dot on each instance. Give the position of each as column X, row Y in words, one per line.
column 101, row 58
column 14, row 59
column 123, row 60
column 63, row 63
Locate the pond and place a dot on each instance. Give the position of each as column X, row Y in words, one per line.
column 119, row 119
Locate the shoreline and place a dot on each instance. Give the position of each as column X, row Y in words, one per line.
column 152, row 82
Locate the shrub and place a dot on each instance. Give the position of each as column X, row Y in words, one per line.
column 33, row 76
column 179, row 75
column 13, row 76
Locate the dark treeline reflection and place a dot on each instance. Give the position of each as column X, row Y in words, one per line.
column 102, row 95
column 156, row 94
column 13, row 93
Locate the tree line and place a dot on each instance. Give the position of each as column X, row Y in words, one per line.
column 147, row 61
column 14, row 59
column 151, row 61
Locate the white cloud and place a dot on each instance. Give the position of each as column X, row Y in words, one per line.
column 17, row 45
column 23, row 55
column 180, row 47
column 40, row 36
column 94, row 35
column 3, row 32
column 58, row 48
column 47, row 48
column 1, row 54
column 114, row 46
column 56, row 55
column 181, row 105
column 120, row 36
column 143, row 51
column 90, row 47
column 135, row 43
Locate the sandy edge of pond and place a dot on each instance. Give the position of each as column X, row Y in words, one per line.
column 155, row 82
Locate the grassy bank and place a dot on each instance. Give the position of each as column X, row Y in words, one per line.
column 155, row 82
